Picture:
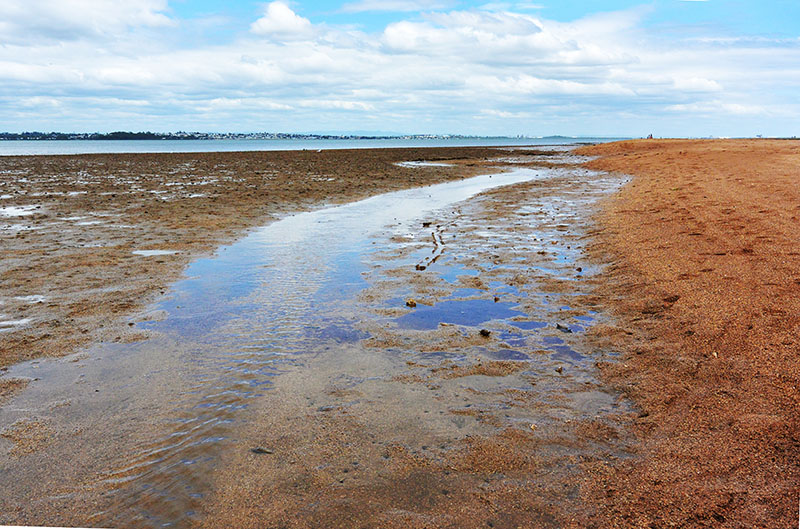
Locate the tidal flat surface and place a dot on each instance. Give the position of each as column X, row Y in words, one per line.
column 402, row 361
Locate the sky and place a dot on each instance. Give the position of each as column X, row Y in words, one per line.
column 532, row 67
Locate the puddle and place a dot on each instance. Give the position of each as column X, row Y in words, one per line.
column 37, row 298
column 18, row 211
column 274, row 328
column 451, row 271
column 529, row 325
column 6, row 324
column 150, row 253
column 422, row 163
column 472, row 312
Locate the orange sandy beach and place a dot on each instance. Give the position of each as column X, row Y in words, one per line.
column 705, row 243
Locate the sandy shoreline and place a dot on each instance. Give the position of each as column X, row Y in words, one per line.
column 705, row 282
column 699, row 287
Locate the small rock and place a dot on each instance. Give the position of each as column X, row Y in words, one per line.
column 559, row 370
column 426, row 224
column 496, row 299
column 579, row 269
column 485, row 333
column 259, row 450
column 411, row 303
column 563, row 328
column 421, row 267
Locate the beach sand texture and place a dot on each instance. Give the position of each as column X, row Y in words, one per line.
column 705, row 246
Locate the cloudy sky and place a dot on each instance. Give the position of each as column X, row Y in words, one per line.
column 539, row 67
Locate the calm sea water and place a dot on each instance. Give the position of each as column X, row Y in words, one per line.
column 16, row 148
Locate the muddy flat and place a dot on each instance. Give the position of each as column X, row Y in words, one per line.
column 470, row 337
column 384, row 361
column 87, row 239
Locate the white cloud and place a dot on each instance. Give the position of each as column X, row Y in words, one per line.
column 279, row 20
column 336, row 104
column 26, row 21
column 716, row 107
column 509, row 6
column 696, row 84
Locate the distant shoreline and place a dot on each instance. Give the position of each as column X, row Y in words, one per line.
column 127, row 136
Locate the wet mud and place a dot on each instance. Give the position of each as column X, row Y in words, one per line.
column 427, row 367
column 90, row 239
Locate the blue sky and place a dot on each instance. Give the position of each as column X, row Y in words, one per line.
column 531, row 67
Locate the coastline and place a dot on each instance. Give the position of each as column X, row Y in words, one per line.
column 699, row 290
column 705, row 284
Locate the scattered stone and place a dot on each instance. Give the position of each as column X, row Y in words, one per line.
column 421, row 267
column 563, row 328
column 411, row 303
column 485, row 333
column 259, row 450
column 559, row 370
column 426, row 224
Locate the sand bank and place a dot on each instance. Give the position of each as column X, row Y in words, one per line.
column 705, row 283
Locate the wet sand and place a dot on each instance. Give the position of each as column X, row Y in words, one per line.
column 428, row 422
column 477, row 405
column 705, row 285
column 87, row 240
